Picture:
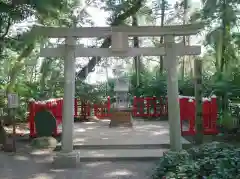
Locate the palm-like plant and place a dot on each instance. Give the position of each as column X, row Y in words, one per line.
column 220, row 18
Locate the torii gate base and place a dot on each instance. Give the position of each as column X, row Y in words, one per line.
column 119, row 47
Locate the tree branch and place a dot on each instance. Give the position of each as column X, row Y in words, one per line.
column 7, row 29
column 107, row 41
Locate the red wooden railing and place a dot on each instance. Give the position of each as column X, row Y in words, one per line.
column 102, row 110
column 142, row 107
column 82, row 109
column 209, row 115
column 149, row 107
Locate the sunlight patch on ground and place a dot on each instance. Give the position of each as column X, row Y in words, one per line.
column 105, row 138
column 150, row 126
column 80, row 130
column 19, row 157
column 58, row 170
column 79, row 140
column 162, row 132
column 118, row 173
column 96, row 164
column 91, row 128
column 42, row 176
column 96, row 154
column 40, row 152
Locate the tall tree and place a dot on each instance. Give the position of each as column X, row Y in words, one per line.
column 129, row 8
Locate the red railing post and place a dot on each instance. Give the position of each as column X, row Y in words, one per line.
column 108, row 106
column 76, row 107
column 154, row 102
column 31, row 109
column 191, row 112
column 147, row 99
column 134, row 107
column 214, row 111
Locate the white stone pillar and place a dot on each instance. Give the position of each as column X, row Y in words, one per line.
column 69, row 95
column 172, row 93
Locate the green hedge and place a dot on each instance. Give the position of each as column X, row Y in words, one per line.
column 209, row 161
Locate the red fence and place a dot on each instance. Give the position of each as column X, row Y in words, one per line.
column 54, row 106
column 82, row 109
column 142, row 107
column 149, row 107
column 157, row 107
column 209, row 115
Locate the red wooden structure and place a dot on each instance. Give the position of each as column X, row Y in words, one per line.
column 102, row 110
column 149, row 107
column 142, row 107
column 209, row 115
column 157, row 107
column 82, row 109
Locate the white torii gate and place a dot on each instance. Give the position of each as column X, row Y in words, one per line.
column 120, row 48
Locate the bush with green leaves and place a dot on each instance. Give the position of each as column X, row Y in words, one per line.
column 209, row 161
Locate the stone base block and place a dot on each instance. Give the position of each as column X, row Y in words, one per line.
column 66, row 160
column 121, row 119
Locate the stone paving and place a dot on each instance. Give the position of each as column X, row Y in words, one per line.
column 98, row 133
column 26, row 167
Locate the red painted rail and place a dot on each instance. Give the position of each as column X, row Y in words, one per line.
column 142, row 107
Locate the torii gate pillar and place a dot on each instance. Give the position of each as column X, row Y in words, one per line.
column 68, row 158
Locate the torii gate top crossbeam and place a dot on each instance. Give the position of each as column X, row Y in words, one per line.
column 60, row 32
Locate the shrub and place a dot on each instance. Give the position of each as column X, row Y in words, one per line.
column 209, row 161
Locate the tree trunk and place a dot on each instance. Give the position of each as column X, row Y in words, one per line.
column 18, row 66
column 223, row 60
column 137, row 60
column 224, row 29
column 161, row 39
column 198, row 138
column 184, row 37
column 107, row 41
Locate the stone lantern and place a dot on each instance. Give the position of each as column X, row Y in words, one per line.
column 121, row 88
column 120, row 112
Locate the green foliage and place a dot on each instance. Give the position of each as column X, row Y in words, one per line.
column 23, row 72
column 210, row 161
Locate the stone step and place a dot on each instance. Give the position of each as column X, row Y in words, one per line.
column 121, row 146
column 121, row 155
column 106, row 155
column 116, row 146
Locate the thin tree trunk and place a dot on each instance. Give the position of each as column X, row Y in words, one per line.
column 223, row 60
column 137, row 60
column 184, row 37
column 161, row 38
column 198, row 138
column 224, row 26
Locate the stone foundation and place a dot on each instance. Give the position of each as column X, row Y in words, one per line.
column 66, row 160
column 121, row 118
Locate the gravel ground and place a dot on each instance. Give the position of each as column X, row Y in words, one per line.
column 28, row 167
